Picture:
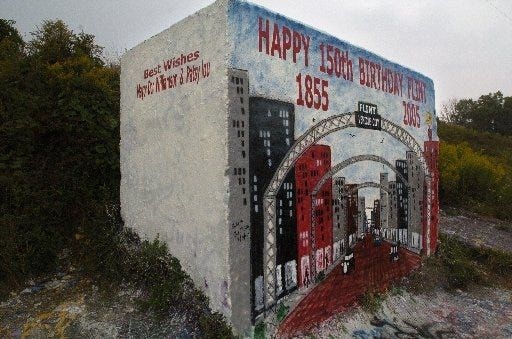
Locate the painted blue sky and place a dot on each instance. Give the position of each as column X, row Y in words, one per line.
column 273, row 77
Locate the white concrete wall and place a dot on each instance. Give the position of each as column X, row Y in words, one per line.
column 174, row 148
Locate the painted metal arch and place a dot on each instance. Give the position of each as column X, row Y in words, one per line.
column 353, row 160
column 307, row 139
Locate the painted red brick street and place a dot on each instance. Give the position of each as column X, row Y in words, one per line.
column 338, row 292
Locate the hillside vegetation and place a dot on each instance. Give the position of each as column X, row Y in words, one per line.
column 59, row 175
column 475, row 170
column 59, row 171
column 59, row 149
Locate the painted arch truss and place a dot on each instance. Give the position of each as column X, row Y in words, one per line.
column 306, row 140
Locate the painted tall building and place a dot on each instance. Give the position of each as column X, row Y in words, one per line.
column 431, row 154
column 269, row 140
column 391, row 232
column 239, row 179
column 361, row 216
column 416, row 180
column 402, row 202
column 339, row 217
column 352, row 213
column 375, row 222
column 384, row 202
column 309, row 169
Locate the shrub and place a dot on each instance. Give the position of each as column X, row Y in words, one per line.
column 474, row 181
column 59, row 147
column 214, row 326
column 259, row 331
column 475, row 170
column 161, row 274
column 282, row 311
column 371, row 301
column 465, row 265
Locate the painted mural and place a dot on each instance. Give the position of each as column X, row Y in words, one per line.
column 277, row 161
column 341, row 149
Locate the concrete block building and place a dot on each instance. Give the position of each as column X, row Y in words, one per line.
column 232, row 116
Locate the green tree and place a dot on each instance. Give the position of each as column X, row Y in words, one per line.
column 491, row 113
column 54, row 42
column 59, row 130
column 11, row 42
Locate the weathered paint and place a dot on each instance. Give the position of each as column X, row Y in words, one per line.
column 174, row 158
column 229, row 121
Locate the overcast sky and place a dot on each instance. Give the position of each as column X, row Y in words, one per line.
column 465, row 46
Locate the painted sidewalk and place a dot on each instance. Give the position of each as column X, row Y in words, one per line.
column 338, row 292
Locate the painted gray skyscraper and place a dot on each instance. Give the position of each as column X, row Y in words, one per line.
column 361, row 216
column 268, row 144
column 415, row 178
column 393, row 210
column 339, row 217
column 239, row 199
column 384, row 202
column 402, row 200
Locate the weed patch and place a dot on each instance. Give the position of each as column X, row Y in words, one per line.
column 282, row 311
column 259, row 331
column 504, row 227
column 459, row 266
column 371, row 301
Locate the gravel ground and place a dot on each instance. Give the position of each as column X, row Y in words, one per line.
column 486, row 313
column 68, row 306
column 478, row 231
column 478, row 313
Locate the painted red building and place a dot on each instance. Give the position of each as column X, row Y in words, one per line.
column 309, row 169
column 431, row 154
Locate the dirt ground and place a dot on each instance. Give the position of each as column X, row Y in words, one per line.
column 70, row 306
column 477, row 313
column 477, row 230
column 486, row 313
column 67, row 305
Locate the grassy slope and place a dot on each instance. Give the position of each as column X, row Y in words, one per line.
column 491, row 144
column 475, row 170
